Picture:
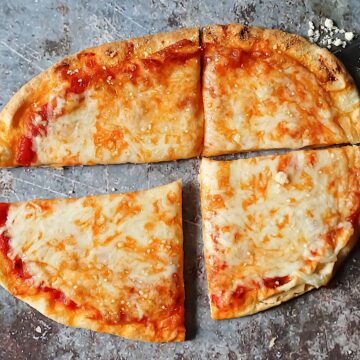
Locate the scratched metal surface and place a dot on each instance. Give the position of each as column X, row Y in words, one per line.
column 34, row 34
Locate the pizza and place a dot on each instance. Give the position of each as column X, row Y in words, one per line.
column 267, row 89
column 278, row 226
column 109, row 263
column 132, row 101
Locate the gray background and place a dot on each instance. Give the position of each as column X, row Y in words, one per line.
column 323, row 324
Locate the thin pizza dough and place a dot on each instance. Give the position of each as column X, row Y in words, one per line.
column 275, row 227
column 110, row 263
column 133, row 101
column 267, row 89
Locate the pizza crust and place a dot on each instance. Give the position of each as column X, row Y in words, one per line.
column 328, row 70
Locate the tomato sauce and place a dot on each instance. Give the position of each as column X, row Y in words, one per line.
column 216, row 300
column 24, row 154
column 354, row 217
column 273, row 283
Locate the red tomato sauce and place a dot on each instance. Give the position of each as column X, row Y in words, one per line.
column 354, row 217
column 24, row 154
column 273, row 283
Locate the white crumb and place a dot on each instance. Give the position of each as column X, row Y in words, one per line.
column 272, row 342
column 329, row 23
column 113, row 189
column 337, row 42
column 349, row 36
column 281, row 178
column 38, row 329
column 327, row 34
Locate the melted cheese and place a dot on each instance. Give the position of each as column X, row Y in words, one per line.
column 264, row 101
column 275, row 217
column 69, row 136
column 116, row 253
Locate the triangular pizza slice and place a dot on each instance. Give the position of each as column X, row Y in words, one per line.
column 275, row 227
column 267, row 89
column 109, row 263
column 132, row 101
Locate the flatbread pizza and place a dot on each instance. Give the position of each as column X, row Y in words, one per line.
column 275, row 227
column 131, row 101
column 268, row 89
column 109, row 263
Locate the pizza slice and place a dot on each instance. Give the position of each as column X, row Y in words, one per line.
column 109, row 263
column 275, row 227
column 132, row 101
column 267, row 89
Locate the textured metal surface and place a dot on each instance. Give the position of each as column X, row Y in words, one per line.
column 323, row 324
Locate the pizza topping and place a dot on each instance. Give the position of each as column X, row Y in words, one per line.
column 25, row 154
column 281, row 178
column 256, row 99
column 4, row 209
column 38, row 121
column 89, row 72
column 18, row 269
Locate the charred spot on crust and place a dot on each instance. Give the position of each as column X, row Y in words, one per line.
column 330, row 74
column 225, row 28
column 111, row 52
column 244, row 33
column 62, row 65
column 291, row 40
column 130, row 49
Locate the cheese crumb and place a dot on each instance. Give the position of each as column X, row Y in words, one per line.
column 349, row 36
column 281, row 178
column 38, row 329
column 337, row 42
column 237, row 138
column 329, row 23
column 328, row 34
column 272, row 342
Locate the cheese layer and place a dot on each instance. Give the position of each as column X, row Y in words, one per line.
column 274, row 223
column 117, row 256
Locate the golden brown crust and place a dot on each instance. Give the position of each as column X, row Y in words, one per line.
column 143, row 46
column 328, row 70
column 262, row 305
column 61, row 315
